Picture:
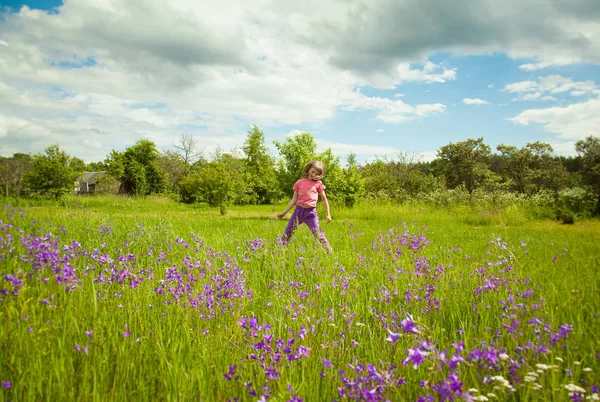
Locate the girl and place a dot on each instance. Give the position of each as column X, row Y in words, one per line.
column 306, row 192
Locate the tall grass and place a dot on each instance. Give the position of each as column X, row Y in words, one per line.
column 110, row 298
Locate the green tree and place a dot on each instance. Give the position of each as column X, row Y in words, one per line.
column 5, row 174
column 215, row 183
column 12, row 173
column 334, row 175
column 50, row 174
column 260, row 168
column 398, row 179
column 573, row 164
column 236, row 177
column 464, row 163
column 378, row 179
column 77, row 165
column 135, row 178
column 589, row 149
column 20, row 164
column 532, row 167
column 96, row 167
column 115, row 164
column 171, row 163
column 353, row 185
column 137, row 168
column 547, row 172
column 295, row 153
column 516, row 164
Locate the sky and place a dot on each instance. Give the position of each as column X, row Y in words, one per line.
column 377, row 78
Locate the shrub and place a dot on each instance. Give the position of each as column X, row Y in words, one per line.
column 566, row 216
column 579, row 201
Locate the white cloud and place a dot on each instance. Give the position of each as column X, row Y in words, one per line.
column 405, row 72
column 532, row 96
column 572, row 122
column 115, row 71
column 536, row 66
column 365, row 36
column 428, row 156
column 566, row 148
column 523, row 86
column 555, row 61
column 393, row 111
column 545, row 87
column 380, row 130
column 131, row 69
column 475, row 101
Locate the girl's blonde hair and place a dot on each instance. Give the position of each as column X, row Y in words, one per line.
column 314, row 164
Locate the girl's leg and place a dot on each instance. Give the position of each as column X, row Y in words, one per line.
column 312, row 222
column 290, row 228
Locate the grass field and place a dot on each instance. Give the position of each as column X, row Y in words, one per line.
column 111, row 299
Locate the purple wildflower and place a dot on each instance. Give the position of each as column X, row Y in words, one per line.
column 393, row 336
column 408, row 325
column 229, row 375
column 272, row 373
column 444, row 390
column 302, row 351
column 6, row 384
column 576, row 397
column 415, row 356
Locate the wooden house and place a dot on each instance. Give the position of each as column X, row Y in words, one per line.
column 86, row 182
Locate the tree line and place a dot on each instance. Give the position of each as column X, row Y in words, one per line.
column 251, row 175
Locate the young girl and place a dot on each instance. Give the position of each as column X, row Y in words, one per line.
column 306, row 192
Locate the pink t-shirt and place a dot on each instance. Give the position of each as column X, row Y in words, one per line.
column 308, row 192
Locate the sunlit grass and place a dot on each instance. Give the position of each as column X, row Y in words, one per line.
column 466, row 264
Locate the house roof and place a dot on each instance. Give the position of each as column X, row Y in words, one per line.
column 91, row 177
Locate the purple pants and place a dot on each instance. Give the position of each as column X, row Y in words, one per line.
column 310, row 217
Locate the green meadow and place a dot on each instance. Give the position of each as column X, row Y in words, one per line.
column 125, row 299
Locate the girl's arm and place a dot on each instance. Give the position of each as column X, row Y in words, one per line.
column 289, row 205
column 326, row 205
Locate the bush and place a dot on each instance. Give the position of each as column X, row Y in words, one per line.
column 540, row 206
column 514, row 215
column 107, row 185
column 580, row 201
column 447, row 198
column 566, row 216
column 496, row 200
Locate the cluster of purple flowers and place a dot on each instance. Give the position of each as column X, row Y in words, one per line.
column 267, row 356
column 213, row 286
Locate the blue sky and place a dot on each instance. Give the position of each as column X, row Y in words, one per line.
column 375, row 78
column 15, row 5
